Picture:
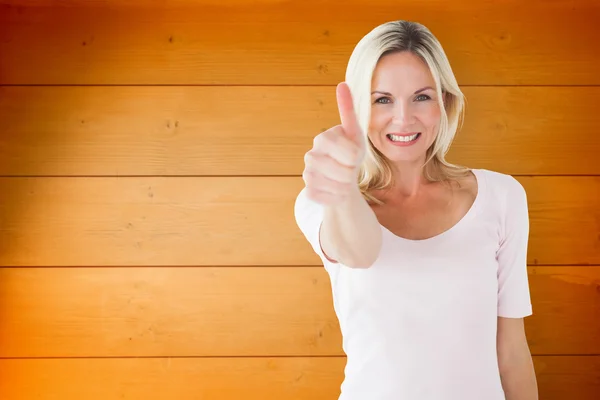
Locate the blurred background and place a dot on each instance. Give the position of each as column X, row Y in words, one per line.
column 151, row 153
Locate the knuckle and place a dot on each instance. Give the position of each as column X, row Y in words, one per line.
column 318, row 140
column 338, row 135
column 308, row 176
column 310, row 159
column 337, row 129
column 307, row 157
column 335, row 134
column 305, row 176
column 323, row 142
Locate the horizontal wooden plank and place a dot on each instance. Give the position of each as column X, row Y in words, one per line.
column 566, row 307
column 225, row 131
column 167, row 312
column 157, row 221
column 228, row 311
column 202, row 221
column 167, row 379
column 564, row 217
column 270, row 42
column 233, row 3
column 559, row 378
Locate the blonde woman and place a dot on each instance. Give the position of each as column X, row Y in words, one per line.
column 427, row 259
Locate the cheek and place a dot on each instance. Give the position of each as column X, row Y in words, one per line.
column 430, row 116
column 378, row 118
column 378, row 122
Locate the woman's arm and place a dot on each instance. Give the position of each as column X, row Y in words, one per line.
column 514, row 360
column 350, row 232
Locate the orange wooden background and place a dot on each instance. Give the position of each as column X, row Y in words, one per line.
column 150, row 156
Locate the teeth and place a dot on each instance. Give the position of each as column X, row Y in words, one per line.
column 403, row 138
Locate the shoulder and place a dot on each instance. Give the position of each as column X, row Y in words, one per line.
column 504, row 202
column 505, row 198
column 501, row 186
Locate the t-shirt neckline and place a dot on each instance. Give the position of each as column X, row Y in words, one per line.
column 454, row 227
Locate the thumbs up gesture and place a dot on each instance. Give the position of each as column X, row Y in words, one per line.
column 331, row 166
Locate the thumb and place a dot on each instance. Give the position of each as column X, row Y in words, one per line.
column 348, row 116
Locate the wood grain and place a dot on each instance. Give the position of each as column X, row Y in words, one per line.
column 229, row 311
column 104, row 130
column 273, row 42
column 167, row 312
column 150, row 156
column 229, row 221
column 566, row 309
column 167, row 379
column 559, row 378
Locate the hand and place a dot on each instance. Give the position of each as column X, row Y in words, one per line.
column 331, row 166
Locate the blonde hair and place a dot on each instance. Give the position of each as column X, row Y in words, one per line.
column 397, row 36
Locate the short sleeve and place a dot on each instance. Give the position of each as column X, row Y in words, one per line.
column 514, row 300
column 309, row 217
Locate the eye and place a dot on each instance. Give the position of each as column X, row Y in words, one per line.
column 423, row 97
column 381, row 98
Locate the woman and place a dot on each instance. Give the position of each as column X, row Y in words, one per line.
column 427, row 259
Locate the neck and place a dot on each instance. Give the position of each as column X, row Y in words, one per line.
column 409, row 178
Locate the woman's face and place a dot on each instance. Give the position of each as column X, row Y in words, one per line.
column 404, row 103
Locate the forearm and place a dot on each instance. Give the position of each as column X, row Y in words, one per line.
column 518, row 379
column 351, row 233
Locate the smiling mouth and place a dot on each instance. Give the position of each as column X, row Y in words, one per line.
column 403, row 138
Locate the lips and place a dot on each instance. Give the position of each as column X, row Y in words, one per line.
column 403, row 138
column 403, row 133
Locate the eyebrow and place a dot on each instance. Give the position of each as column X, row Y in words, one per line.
column 389, row 94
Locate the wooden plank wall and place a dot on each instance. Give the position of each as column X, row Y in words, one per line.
column 150, row 155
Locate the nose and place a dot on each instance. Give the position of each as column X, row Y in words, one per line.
column 402, row 113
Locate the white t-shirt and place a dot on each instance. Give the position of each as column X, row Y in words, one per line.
column 421, row 323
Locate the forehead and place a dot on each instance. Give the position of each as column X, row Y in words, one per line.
column 401, row 72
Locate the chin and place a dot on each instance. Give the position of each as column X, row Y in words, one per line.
column 400, row 159
column 403, row 154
